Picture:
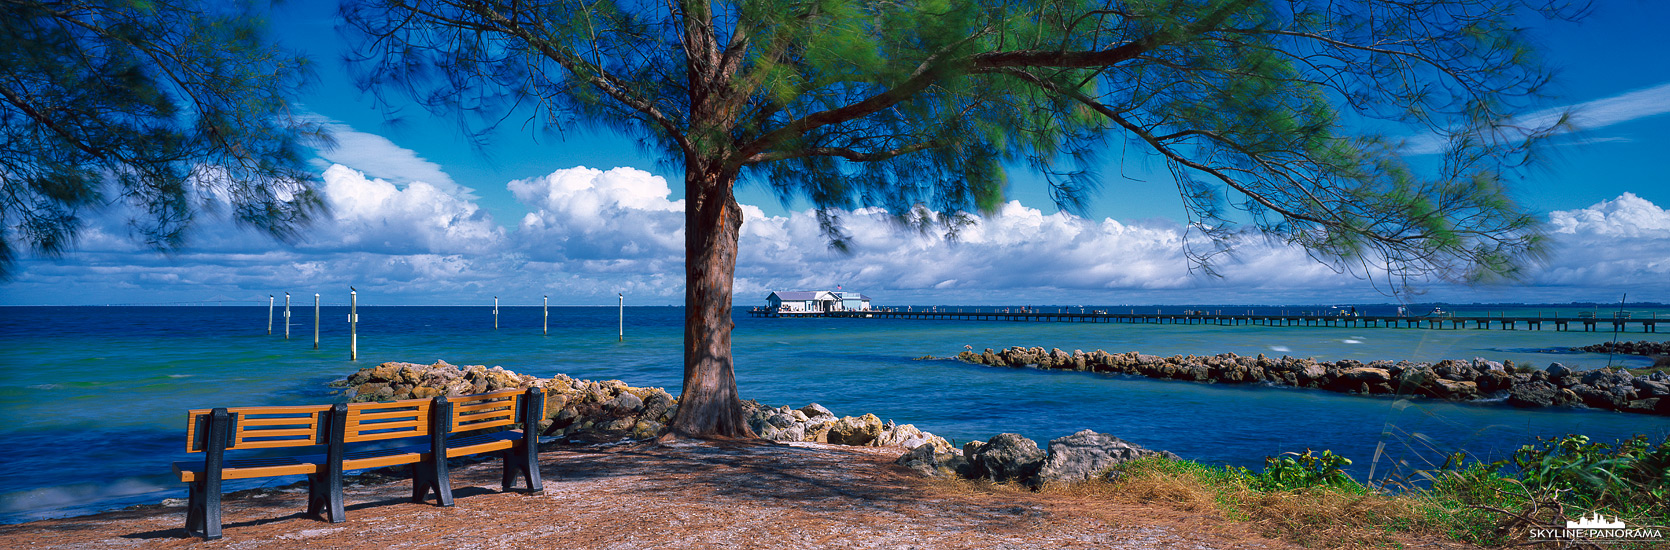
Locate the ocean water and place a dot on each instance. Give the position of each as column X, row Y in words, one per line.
column 94, row 398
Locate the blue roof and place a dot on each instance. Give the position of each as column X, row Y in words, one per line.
column 796, row 295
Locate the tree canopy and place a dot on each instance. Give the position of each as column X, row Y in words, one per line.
column 1296, row 118
column 170, row 107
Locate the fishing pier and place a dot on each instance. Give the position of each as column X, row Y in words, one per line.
column 1620, row 323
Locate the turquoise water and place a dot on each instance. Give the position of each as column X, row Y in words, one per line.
column 108, row 386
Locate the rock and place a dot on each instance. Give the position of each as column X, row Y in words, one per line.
column 1595, row 397
column 1651, row 387
column 793, row 432
column 815, row 411
column 1310, row 373
column 646, row 429
column 780, row 420
column 1557, row 370
column 1597, row 377
column 1481, row 364
column 1540, row 394
column 1363, row 380
column 624, row 403
column 855, row 431
column 897, row 436
column 1451, row 389
column 1495, row 381
column 930, row 439
column 1008, row 457
column 930, row 460
column 658, row 405
column 818, row 431
column 1087, row 454
column 619, row 425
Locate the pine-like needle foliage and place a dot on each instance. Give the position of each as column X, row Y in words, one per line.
column 169, row 106
column 1289, row 116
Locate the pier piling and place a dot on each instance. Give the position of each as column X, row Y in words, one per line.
column 353, row 324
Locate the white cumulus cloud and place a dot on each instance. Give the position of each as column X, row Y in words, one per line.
column 1621, row 243
column 374, row 215
column 614, row 220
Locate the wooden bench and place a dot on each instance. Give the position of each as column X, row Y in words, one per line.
column 215, row 431
column 350, row 434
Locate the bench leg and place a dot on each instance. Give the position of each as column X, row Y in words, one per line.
column 432, row 476
column 518, row 461
column 324, row 496
column 203, row 509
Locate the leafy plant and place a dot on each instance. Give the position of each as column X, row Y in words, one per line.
column 1294, row 471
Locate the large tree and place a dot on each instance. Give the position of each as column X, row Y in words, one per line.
column 168, row 107
column 1271, row 114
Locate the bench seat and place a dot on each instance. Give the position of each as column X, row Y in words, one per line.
column 419, row 452
column 191, row 471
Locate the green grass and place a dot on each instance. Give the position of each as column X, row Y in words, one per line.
column 1307, row 498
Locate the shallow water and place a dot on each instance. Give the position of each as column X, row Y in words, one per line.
column 109, row 386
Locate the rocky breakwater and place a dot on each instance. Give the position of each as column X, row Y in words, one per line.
column 1012, row 458
column 1454, row 380
column 611, row 408
column 1642, row 347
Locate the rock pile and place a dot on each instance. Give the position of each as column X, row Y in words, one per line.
column 1013, row 458
column 815, row 423
column 1448, row 379
column 1643, row 347
column 571, row 406
column 612, row 408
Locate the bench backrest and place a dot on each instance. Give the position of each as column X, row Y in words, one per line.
column 261, row 427
column 485, row 410
column 304, row 425
column 390, row 420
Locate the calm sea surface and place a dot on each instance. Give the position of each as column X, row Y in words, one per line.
column 94, row 397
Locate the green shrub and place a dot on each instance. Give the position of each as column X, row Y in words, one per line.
column 1294, row 471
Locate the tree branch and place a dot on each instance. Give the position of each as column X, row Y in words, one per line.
column 849, row 154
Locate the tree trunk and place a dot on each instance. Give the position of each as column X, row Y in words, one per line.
column 709, row 407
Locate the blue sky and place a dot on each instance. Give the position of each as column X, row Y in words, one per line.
column 582, row 215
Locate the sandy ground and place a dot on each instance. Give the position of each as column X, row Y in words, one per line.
column 696, row 495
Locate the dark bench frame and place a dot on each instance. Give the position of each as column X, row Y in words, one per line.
column 342, row 428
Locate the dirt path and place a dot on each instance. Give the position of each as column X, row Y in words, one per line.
column 671, row 496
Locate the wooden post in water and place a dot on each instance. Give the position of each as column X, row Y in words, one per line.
column 286, row 316
column 353, row 324
column 315, row 320
column 545, row 305
column 269, row 315
column 622, row 329
column 495, row 313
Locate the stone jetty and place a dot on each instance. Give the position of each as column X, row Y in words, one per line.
column 1453, row 380
column 1643, row 347
column 611, row 408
